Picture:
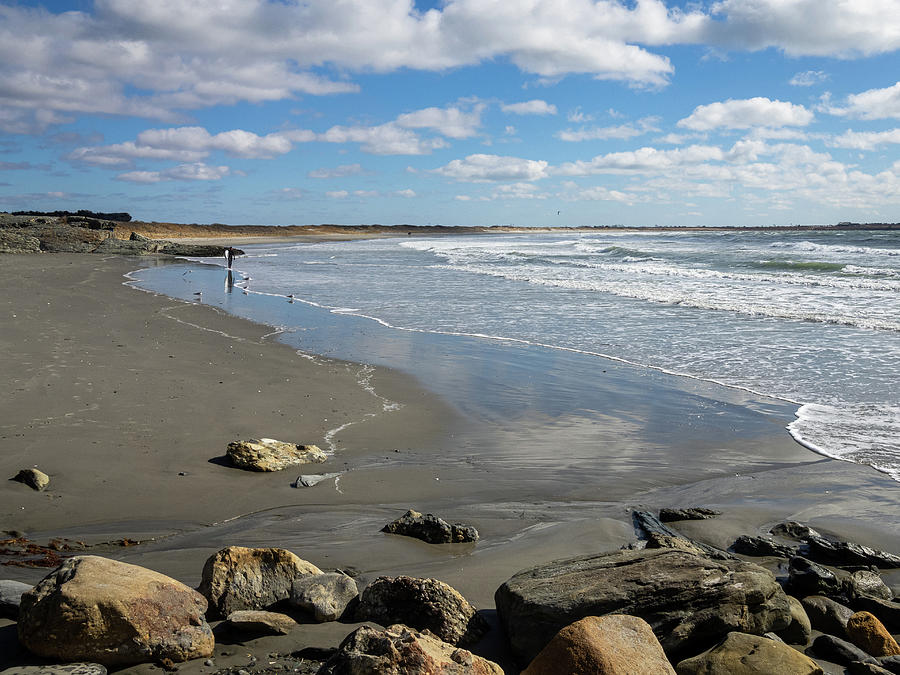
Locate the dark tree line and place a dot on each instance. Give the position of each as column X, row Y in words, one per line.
column 118, row 217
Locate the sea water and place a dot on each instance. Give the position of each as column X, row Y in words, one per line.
column 809, row 317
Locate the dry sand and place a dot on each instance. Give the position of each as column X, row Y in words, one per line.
column 128, row 399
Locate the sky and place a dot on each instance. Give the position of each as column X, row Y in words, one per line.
column 462, row 112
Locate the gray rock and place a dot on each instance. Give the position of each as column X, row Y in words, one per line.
column 890, row 663
column 423, row 604
column 688, row 600
column 793, row 530
column 839, row 651
column 256, row 621
column 826, row 615
column 401, row 650
column 430, row 528
column 847, row 553
column 864, row 583
column 888, row 612
column 694, row 513
column 238, row 578
column 11, row 597
column 33, row 478
column 309, row 480
column 861, row 668
column 58, row 669
column 325, row 596
column 808, row 578
column 800, row 628
column 760, row 546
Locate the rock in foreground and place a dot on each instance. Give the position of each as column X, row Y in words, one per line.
column 267, row 454
column 742, row 654
column 255, row 621
column 690, row 601
column 11, row 597
column 239, row 578
column 399, row 649
column 325, row 596
column 423, row 604
column 430, row 528
column 606, row 645
column 96, row 609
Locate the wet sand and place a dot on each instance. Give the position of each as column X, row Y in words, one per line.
column 128, row 399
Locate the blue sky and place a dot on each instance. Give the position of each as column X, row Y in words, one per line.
column 481, row 112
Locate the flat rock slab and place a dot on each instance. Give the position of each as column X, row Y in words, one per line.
column 689, row 600
column 742, row 654
column 259, row 622
column 267, row 454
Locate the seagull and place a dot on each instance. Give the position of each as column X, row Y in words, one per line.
column 199, row 293
column 291, row 296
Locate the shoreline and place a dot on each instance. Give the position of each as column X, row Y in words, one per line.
column 162, row 385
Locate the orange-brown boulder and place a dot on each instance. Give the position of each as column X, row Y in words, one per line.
column 869, row 634
column 616, row 644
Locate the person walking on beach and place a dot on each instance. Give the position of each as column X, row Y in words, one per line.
column 229, row 256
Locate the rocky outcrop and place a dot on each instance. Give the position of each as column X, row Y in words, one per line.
column 690, row 601
column 267, row 454
column 423, row 604
column 827, row 615
column 869, row 634
column 96, row 609
column 607, row 645
column 33, row 478
column 18, row 242
column 658, row 535
column 431, row 529
column 399, row 649
column 11, row 597
column 760, row 546
column 807, row 578
column 833, row 551
column 324, row 596
column 742, row 654
column 239, row 578
column 258, row 622
column 693, row 513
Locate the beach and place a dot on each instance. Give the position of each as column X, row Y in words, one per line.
column 128, row 399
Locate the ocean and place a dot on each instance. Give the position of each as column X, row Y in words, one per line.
column 810, row 318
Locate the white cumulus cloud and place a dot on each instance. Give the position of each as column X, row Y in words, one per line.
column 533, row 107
column 485, row 168
column 746, row 113
column 874, row 104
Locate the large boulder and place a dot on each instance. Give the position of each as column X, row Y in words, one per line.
column 113, row 613
column 267, row 454
column 742, row 654
column 827, row 615
column 807, row 578
column 325, row 596
column 689, row 600
column 398, row 650
column 869, row 634
column 602, row 645
column 800, row 628
column 888, row 612
column 431, row 529
column 423, row 604
column 238, row 578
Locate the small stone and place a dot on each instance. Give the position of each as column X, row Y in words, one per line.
column 33, row 478
column 209, row 663
column 431, row 529
column 868, row 633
